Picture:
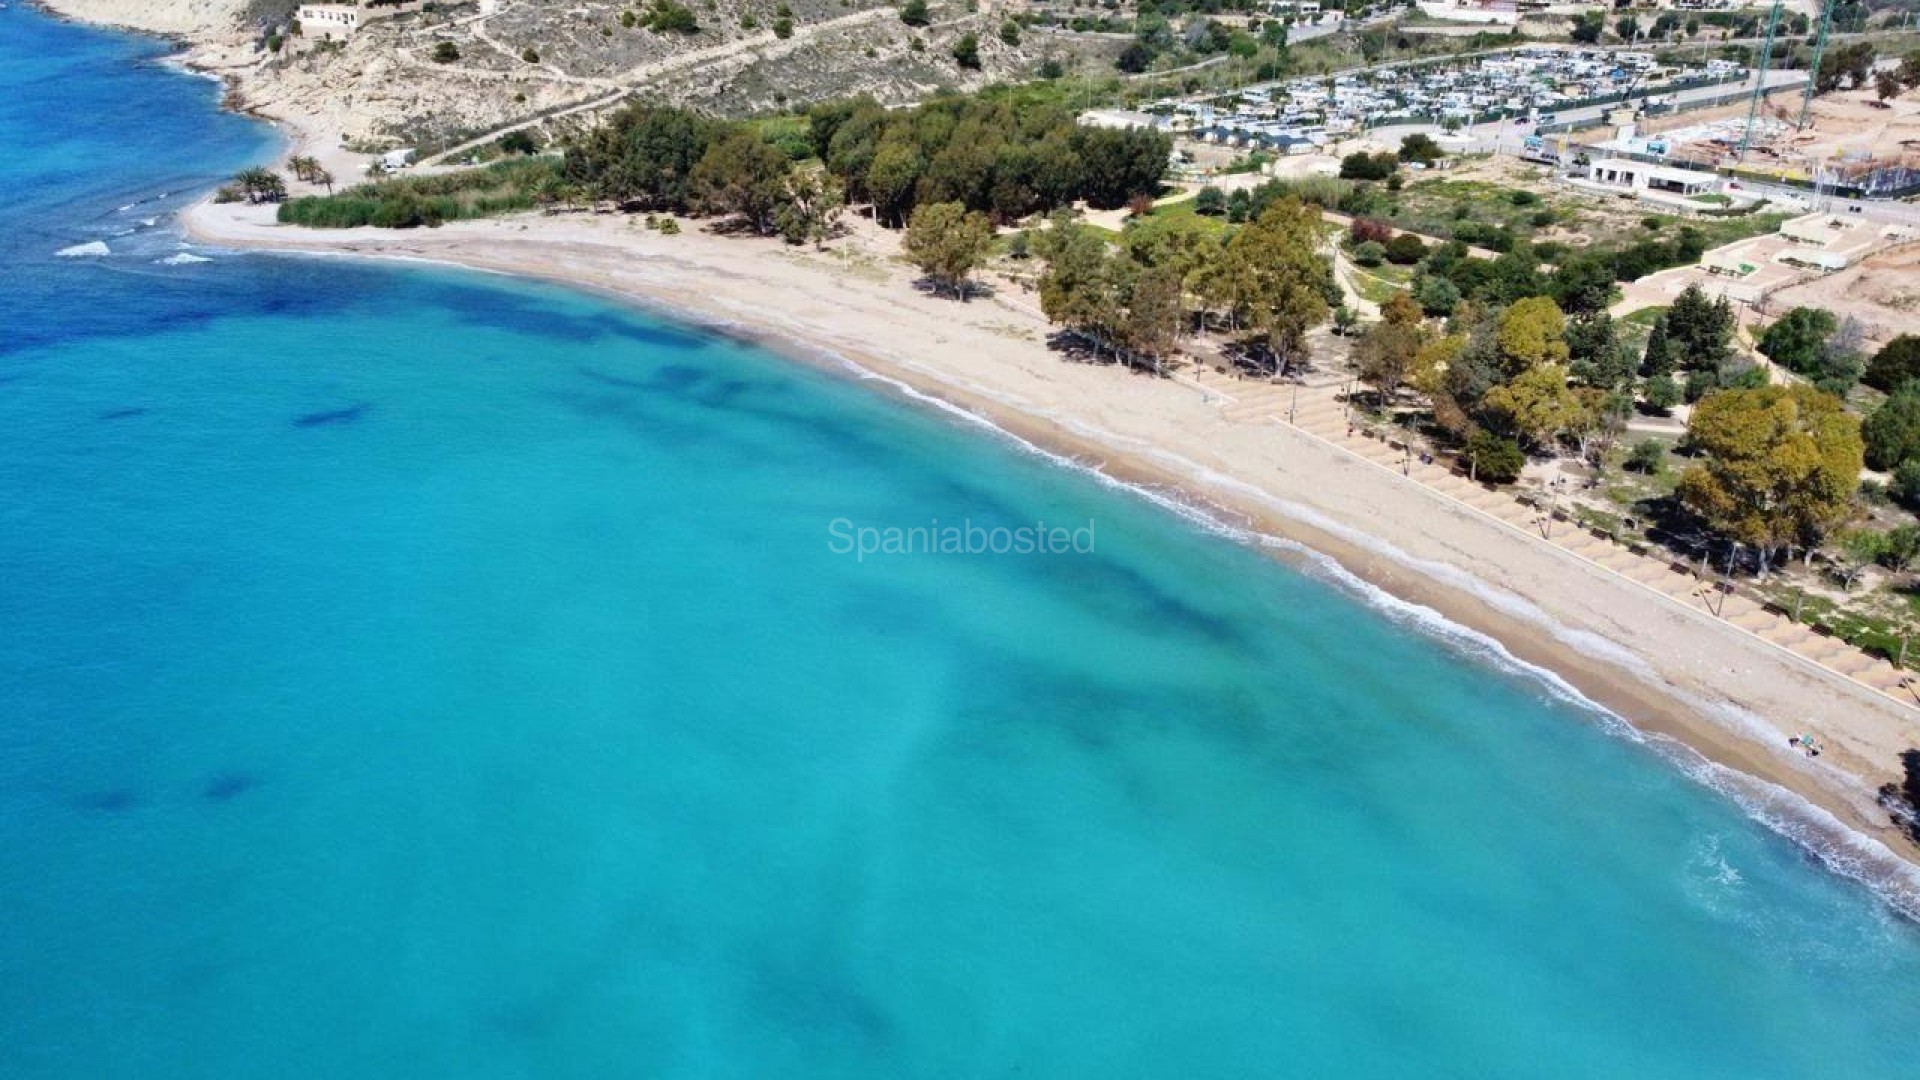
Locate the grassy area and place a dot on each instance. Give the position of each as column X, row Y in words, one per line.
column 1864, row 630
column 1181, row 216
column 411, row 201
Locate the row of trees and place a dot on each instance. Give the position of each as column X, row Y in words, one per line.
column 667, row 159
column 1008, row 153
column 1134, row 301
column 1000, row 155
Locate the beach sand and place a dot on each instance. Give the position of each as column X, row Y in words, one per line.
column 1673, row 672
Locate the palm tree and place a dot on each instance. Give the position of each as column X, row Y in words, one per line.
column 261, row 185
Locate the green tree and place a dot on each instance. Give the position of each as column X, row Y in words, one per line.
column 815, row 201
column 1537, row 406
column 1010, row 32
column 914, row 13
column 643, row 157
column 1384, row 355
column 1892, row 433
column 1658, row 358
column 1700, row 331
column 1076, row 286
column 1648, row 456
column 1420, row 147
column 1210, row 202
column 1781, row 466
column 1663, row 393
column 1532, row 332
column 1437, row 295
column 1154, row 311
column 1896, row 364
column 1797, row 340
column 1597, row 357
column 1283, row 280
column 1118, row 164
column 891, row 180
column 1583, row 284
column 742, row 175
column 446, row 52
column 1494, row 459
column 948, row 243
column 260, row 185
column 1588, row 26
column 1854, row 550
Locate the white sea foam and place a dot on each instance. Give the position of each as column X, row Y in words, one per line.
column 1838, row 847
column 184, row 258
column 92, row 250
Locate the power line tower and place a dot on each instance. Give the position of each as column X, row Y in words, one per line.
column 1759, row 81
column 1813, row 73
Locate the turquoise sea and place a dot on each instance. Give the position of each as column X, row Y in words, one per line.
column 415, row 674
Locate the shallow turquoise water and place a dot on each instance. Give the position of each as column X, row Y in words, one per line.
column 414, row 674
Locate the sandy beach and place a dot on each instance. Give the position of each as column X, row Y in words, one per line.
column 1674, row 673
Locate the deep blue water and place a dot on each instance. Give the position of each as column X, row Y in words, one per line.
column 411, row 674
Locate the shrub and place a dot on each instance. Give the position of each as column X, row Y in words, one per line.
column 966, row 52
column 1363, row 166
column 1211, row 201
column 783, row 27
column 914, row 13
column 446, row 53
column 517, row 142
column 1405, row 250
column 1367, row 229
column 533, row 57
column 1648, row 456
column 1906, row 483
column 1369, row 253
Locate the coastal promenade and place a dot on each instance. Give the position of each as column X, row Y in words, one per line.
column 1317, row 407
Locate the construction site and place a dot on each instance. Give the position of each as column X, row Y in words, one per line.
column 1861, row 142
column 1849, row 144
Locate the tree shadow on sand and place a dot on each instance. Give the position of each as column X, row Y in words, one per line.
column 968, row 290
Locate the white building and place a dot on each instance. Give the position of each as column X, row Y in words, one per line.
column 337, row 22
column 1639, row 176
column 1488, row 12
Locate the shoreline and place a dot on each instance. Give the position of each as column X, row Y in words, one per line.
column 1715, row 704
column 713, row 284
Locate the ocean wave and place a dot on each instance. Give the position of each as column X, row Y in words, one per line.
column 184, row 258
column 90, row 250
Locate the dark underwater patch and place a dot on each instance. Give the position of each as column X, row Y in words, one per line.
column 228, row 786
column 331, row 417
column 112, row 801
column 123, row 414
